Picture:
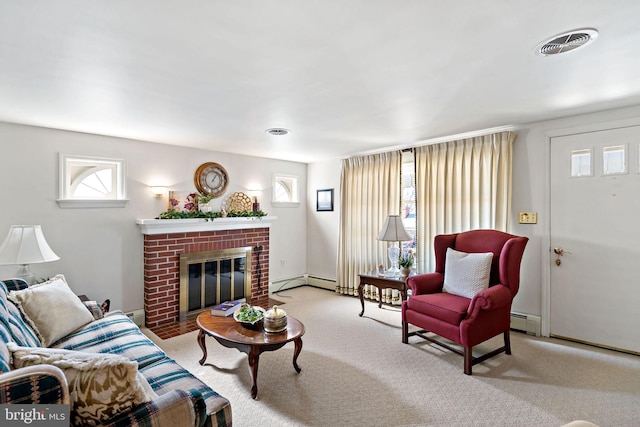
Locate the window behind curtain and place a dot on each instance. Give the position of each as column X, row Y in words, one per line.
column 408, row 184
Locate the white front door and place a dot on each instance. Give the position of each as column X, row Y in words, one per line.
column 594, row 217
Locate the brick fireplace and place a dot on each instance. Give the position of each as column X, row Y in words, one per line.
column 166, row 240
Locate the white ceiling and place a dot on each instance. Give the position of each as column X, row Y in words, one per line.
column 345, row 76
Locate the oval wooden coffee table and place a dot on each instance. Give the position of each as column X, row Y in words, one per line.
column 232, row 334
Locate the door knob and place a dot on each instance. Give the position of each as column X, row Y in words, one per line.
column 559, row 251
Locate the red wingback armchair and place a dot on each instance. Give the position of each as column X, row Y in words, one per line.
column 466, row 321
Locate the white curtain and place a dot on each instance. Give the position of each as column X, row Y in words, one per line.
column 462, row 185
column 370, row 188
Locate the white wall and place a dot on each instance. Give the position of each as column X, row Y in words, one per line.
column 323, row 226
column 530, row 193
column 101, row 249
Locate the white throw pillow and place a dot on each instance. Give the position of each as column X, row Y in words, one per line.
column 52, row 309
column 100, row 385
column 466, row 274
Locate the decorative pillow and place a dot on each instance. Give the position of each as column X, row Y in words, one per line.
column 52, row 309
column 95, row 309
column 15, row 284
column 100, row 385
column 466, row 274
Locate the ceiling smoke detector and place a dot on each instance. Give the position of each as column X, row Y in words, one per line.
column 567, row 42
column 278, row 131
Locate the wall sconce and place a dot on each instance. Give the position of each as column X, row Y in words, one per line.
column 158, row 191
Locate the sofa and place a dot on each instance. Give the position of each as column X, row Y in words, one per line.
column 100, row 364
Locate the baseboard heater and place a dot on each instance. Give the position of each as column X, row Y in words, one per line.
column 288, row 283
column 321, row 282
column 527, row 323
column 304, row 280
column 137, row 316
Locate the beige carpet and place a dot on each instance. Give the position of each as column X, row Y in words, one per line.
column 357, row 372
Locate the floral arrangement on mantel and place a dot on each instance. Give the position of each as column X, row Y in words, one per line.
column 210, row 215
column 192, row 211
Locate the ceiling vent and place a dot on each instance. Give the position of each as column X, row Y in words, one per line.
column 567, row 42
column 278, row 131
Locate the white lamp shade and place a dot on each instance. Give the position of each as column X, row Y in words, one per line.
column 26, row 244
column 393, row 230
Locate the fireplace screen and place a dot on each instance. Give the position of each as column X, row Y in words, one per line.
column 209, row 278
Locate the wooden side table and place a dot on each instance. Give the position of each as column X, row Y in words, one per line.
column 381, row 282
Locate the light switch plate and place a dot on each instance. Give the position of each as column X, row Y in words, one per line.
column 528, row 217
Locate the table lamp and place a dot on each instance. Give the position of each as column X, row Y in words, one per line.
column 393, row 231
column 26, row 245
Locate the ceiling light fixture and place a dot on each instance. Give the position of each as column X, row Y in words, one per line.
column 278, row 131
column 566, row 42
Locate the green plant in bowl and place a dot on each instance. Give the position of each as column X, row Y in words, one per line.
column 249, row 316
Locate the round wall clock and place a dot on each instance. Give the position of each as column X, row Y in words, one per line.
column 211, row 178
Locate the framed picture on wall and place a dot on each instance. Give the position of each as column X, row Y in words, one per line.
column 324, row 200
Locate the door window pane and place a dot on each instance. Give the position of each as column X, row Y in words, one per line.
column 581, row 163
column 614, row 160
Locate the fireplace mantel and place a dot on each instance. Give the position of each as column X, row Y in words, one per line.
column 168, row 226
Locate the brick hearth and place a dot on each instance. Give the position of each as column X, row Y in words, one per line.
column 162, row 267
